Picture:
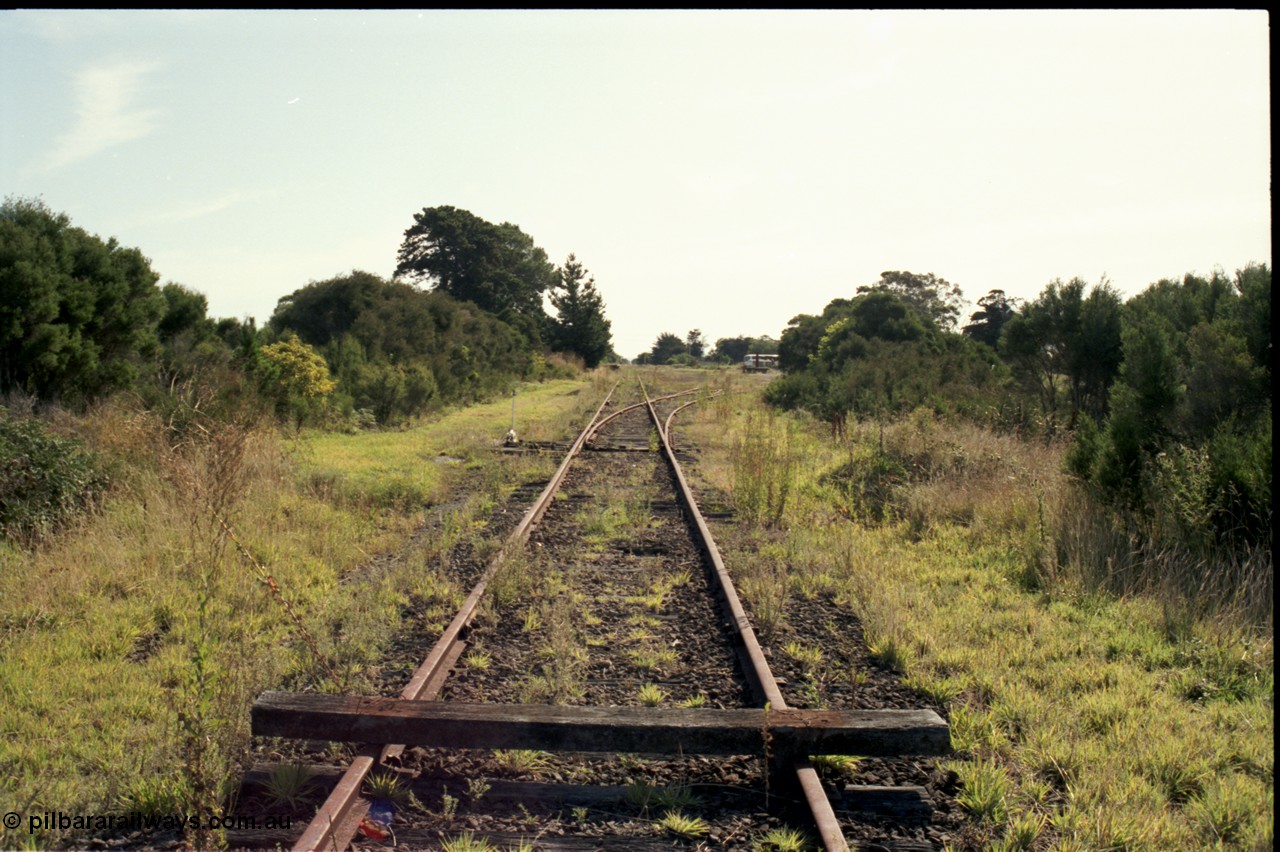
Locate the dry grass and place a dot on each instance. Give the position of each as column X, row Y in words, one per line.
column 1081, row 718
column 134, row 642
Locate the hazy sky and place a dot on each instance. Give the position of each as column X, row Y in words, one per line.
column 723, row 170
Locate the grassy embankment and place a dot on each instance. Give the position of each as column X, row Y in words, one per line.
column 132, row 644
column 1081, row 719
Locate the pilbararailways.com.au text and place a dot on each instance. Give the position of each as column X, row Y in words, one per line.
column 135, row 821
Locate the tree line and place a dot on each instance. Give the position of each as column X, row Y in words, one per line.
column 671, row 349
column 463, row 316
column 1165, row 397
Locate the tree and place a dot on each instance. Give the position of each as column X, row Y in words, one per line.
column 389, row 391
column 1220, row 378
column 1142, row 401
column 937, row 300
column 985, row 324
column 666, row 347
column 394, row 349
column 326, row 310
column 78, row 315
column 1252, row 312
column 877, row 355
column 496, row 267
column 731, row 350
column 1187, row 443
column 199, row 367
column 185, row 310
column 877, row 313
column 800, row 338
column 1065, row 341
column 694, row 343
column 763, row 345
column 581, row 327
column 298, row 376
column 887, row 316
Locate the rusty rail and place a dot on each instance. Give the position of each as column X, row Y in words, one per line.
column 595, row 430
column 763, row 683
column 337, row 820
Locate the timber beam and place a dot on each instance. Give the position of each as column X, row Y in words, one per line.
column 647, row 730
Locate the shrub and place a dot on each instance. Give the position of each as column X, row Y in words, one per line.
column 44, row 479
column 795, row 390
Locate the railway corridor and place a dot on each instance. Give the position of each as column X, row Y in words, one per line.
column 609, row 593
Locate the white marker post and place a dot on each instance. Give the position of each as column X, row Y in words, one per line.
column 511, row 440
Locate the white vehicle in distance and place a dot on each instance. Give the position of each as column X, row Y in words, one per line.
column 759, row 363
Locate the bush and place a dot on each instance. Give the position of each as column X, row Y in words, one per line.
column 795, row 390
column 44, row 479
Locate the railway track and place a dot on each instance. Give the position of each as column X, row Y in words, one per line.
column 609, row 593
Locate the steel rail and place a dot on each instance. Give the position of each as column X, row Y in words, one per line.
column 621, row 411
column 336, row 822
column 761, row 678
column 666, row 426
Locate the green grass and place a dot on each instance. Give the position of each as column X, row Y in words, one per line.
column 467, row 842
column 682, row 825
column 620, row 512
column 1098, row 721
column 288, row 784
column 651, row 658
column 522, row 761
column 476, row 660
column 836, row 765
column 652, row 695
column 110, row 665
column 808, row 656
column 407, row 470
column 388, row 786
column 781, row 840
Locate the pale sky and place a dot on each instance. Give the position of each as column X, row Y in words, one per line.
column 724, row 170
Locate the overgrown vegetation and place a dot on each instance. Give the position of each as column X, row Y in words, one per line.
column 397, row 351
column 45, row 480
column 142, row 635
column 1186, row 441
column 500, row 270
column 213, row 566
column 82, row 318
column 981, row 569
column 1056, row 522
column 876, row 355
column 1165, row 399
column 78, row 315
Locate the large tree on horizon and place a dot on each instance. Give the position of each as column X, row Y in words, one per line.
column 994, row 310
column 665, row 347
column 496, row 267
column 935, row 299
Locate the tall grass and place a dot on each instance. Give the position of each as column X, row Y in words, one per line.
column 1090, row 708
column 144, row 669
column 134, row 641
column 1103, row 548
column 763, row 466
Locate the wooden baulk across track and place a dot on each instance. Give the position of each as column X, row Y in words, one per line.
column 416, row 719
column 635, row 730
